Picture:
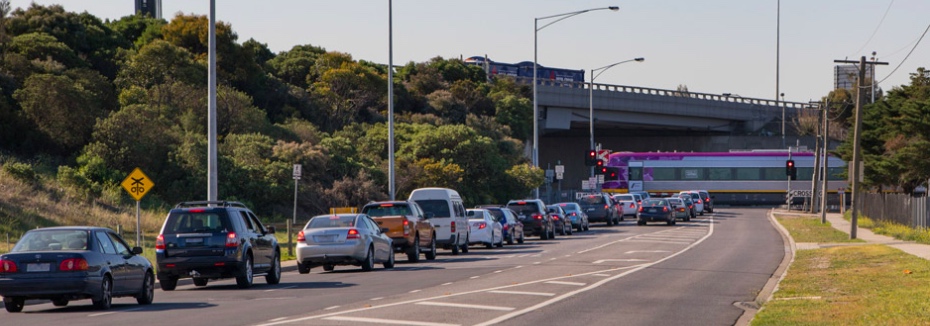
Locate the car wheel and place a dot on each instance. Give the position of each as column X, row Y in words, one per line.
column 688, row 218
column 621, row 218
column 201, row 281
column 510, row 238
column 168, row 284
column 105, row 300
column 570, row 230
column 60, row 302
column 274, row 275
column 245, row 278
column 329, row 268
column 501, row 243
column 431, row 254
column 702, row 213
column 369, row 262
column 14, row 304
column 413, row 252
column 465, row 246
column 147, row 294
column 522, row 238
column 490, row 245
column 544, row 235
column 455, row 247
column 390, row 262
column 640, row 222
column 302, row 269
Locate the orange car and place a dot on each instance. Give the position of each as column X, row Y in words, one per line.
column 407, row 225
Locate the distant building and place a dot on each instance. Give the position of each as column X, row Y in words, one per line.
column 149, row 7
column 844, row 76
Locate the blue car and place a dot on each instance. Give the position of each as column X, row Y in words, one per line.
column 656, row 210
column 576, row 215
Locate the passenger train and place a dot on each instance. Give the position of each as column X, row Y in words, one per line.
column 752, row 177
column 525, row 69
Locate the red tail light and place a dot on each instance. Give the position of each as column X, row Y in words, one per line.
column 537, row 217
column 301, row 237
column 506, row 227
column 555, row 217
column 73, row 264
column 7, row 266
column 452, row 227
column 640, row 208
column 632, row 206
column 482, row 225
column 160, row 242
column 231, row 240
column 606, row 206
column 406, row 228
column 706, row 200
column 353, row 234
column 665, row 209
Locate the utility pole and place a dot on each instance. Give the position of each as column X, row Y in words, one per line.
column 857, row 148
column 826, row 167
column 816, row 177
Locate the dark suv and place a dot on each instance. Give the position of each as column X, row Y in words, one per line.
column 534, row 216
column 600, row 208
column 207, row 240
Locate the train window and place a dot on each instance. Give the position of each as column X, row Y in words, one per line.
column 774, row 174
column 720, row 174
column 664, row 174
column 836, row 173
column 692, row 174
column 747, row 173
column 636, row 173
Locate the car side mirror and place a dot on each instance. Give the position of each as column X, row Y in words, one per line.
column 384, row 230
column 270, row 229
column 136, row 250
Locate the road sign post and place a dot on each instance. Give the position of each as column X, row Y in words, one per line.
column 298, row 171
column 137, row 184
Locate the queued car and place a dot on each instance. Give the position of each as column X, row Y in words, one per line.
column 560, row 219
column 63, row 264
column 408, row 226
column 576, row 215
column 682, row 211
column 690, row 204
column 628, row 204
column 708, row 200
column 485, row 229
column 534, row 216
column 655, row 210
column 446, row 211
column 600, row 208
column 343, row 239
column 698, row 202
column 207, row 240
column 510, row 225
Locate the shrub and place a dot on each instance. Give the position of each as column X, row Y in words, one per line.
column 21, row 171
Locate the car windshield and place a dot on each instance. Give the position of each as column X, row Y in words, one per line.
column 43, row 240
column 194, row 222
column 439, row 207
column 331, row 221
column 386, row 210
column 592, row 200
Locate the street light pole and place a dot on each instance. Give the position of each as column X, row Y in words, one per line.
column 536, row 30
column 591, row 99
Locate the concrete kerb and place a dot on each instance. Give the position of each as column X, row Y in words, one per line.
column 772, row 284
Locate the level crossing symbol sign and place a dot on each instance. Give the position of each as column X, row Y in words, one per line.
column 137, row 184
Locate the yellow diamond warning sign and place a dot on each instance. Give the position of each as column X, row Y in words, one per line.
column 137, row 184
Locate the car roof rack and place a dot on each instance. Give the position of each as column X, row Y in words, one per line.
column 221, row 203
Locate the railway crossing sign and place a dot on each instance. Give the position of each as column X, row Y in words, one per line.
column 602, row 154
column 137, row 184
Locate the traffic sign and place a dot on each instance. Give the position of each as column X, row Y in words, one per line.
column 297, row 171
column 137, row 184
column 602, row 154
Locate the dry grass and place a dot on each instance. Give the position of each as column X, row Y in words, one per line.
column 807, row 228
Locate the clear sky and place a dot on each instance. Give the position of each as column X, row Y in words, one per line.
column 711, row 46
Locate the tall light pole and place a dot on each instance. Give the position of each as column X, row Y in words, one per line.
column 390, row 148
column 536, row 30
column 591, row 98
column 212, row 183
column 778, row 70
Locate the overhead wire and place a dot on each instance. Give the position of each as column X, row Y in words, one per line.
column 876, row 29
column 908, row 54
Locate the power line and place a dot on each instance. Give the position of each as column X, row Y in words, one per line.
column 876, row 28
column 908, row 54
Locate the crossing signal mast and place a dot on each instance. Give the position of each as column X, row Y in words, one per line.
column 591, row 158
column 790, row 170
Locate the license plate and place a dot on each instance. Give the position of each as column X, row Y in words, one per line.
column 590, row 209
column 324, row 238
column 652, row 210
column 43, row 267
column 194, row 240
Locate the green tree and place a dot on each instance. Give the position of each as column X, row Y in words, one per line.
column 61, row 107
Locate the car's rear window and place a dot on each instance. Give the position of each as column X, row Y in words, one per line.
column 625, row 197
column 526, row 208
column 592, row 200
column 332, row 221
column 386, row 210
column 497, row 213
column 569, row 207
column 52, row 240
column 439, row 207
column 655, row 202
column 195, row 222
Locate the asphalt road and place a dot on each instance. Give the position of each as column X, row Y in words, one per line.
column 688, row 274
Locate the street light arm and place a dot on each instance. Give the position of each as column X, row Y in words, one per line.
column 604, row 68
column 569, row 15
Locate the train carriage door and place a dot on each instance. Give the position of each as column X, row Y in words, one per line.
column 635, row 176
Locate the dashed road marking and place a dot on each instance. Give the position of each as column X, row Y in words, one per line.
column 386, row 321
column 462, row 305
column 542, row 294
column 604, row 260
column 567, row 283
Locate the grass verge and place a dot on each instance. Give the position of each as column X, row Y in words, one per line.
column 892, row 229
column 805, row 228
column 857, row 285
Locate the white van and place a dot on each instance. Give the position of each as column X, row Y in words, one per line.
column 446, row 212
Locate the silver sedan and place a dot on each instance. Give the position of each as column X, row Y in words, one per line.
column 343, row 239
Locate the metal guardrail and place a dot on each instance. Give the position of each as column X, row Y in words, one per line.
column 667, row 92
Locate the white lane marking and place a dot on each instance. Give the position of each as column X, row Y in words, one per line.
column 462, row 305
column 386, row 321
column 113, row 312
column 277, row 319
column 495, row 272
column 331, row 308
column 552, row 258
column 284, row 288
column 376, row 299
column 599, row 283
column 444, row 284
column 414, row 291
column 474, row 277
column 660, row 241
column 542, row 294
column 635, row 251
column 537, row 263
column 602, row 275
column 521, row 256
column 568, row 255
column 603, row 260
column 518, row 267
column 567, row 283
